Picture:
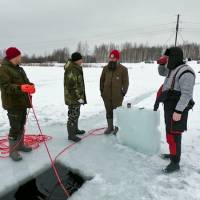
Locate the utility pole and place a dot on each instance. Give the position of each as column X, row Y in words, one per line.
column 177, row 29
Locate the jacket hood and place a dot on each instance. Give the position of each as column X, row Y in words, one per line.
column 175, row 55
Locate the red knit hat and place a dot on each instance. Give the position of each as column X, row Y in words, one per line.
column 12, row 52
column 115, row 54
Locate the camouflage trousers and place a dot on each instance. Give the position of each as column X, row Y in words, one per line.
column 73, row 115
column 17, row 120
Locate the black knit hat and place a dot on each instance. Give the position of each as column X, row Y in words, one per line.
column 76, row 56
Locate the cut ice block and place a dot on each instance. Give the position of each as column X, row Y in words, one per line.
column 138, row 129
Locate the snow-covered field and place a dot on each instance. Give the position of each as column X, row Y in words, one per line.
column 49, row 99
column 119, row 173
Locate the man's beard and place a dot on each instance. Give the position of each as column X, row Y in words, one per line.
column 112, row 65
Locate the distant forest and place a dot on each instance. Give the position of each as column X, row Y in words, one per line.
column 130, row 53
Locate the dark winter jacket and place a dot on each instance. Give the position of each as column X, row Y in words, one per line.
column 74, row 85
column 114, row 85
column 11, row 78
column 177, row 90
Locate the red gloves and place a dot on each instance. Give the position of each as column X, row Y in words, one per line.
column 27, row 88
column 162, row 60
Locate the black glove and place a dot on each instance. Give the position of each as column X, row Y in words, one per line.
column 156, row 106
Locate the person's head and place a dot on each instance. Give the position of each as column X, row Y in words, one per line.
column 77, row 58
column 13, row 55
column 114, row 56
column 175, row 57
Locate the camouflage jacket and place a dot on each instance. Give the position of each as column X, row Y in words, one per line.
column 74, row 85
column 11, row 78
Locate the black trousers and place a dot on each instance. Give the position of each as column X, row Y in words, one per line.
column 17, row 120
column 172, row 126
column 73, row 115
column 109, row 111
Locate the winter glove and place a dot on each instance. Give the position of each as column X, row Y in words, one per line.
column 158, row 95
column 27, row 88
column 81, row 101
column 162, row 60
column 156, row 106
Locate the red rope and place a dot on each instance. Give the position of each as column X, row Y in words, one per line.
column 4, row 147
column 92, row 132
column 48, row 151
column 35, row 140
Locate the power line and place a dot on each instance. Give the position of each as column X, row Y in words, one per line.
column 169, row 39
column 136, row 31
column 182, row 37
column 190, row 22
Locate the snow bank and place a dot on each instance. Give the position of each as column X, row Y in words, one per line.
column 118, row 172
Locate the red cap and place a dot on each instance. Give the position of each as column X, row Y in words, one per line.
column 115, row 54
column 12, row 52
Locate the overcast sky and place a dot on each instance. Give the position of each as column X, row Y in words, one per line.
column 39, row 26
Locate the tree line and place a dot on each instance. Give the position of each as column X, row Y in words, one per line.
column 130, row 53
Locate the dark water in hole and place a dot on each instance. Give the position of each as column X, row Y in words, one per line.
column 45, row 186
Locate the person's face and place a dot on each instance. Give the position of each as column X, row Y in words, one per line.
column 79, row 62
column 113, row 59
column 17, row 60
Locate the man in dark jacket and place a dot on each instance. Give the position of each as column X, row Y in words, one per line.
column 74, row 90
column 177, row 95
column 114, row 84
column 15, row 87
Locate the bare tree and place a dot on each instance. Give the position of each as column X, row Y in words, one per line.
column 130, row 52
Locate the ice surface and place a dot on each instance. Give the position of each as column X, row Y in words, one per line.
column 119, row 172
column 138, row 129
column 49, row 97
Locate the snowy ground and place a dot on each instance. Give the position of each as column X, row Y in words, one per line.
column 119, row 172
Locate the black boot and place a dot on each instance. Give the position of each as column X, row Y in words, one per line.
column 115, row 130
column 110, row 128
column 79, row 132
column 72, row 134
column 172, row 167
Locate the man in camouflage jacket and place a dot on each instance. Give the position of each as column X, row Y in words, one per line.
column 15, row 100
column 74, row 91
